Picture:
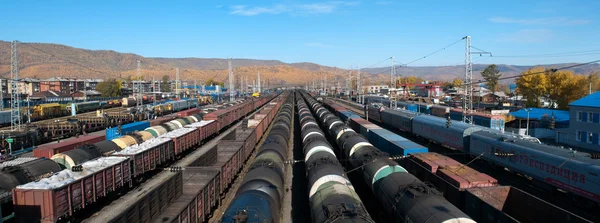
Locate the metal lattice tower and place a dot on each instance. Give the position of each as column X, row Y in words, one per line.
column 358, row 81
column 177, row 87
column 231, row 86
column 138, row 88
column 393, row 74
column 468, row 98
column 349, row 81
column 15, row 114
column 259, row 90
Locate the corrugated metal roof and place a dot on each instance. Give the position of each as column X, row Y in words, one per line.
column 538, row 113
column 592, row 100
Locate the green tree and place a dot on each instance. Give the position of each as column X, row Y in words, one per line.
column 491, row 74
column 109, row 88
column 165, row 84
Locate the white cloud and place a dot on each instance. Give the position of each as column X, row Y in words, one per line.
column 294, row 9
column 528, row 36
column 317, row 45
column 540, row 21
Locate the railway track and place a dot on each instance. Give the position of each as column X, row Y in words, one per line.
column 115, row 209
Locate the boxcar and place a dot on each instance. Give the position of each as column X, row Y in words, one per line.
column 148, row 155
column 192, row 205
column 63, row 194
column 50, row 149
column 400, row 119
column 562, row 168
column 393, row 144
column 456, row 136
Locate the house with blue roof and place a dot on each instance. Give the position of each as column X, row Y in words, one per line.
column 584, row 124
column 540, row 121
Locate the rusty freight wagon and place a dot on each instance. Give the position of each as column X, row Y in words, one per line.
column 148, row 155
column 183, row 139
column 50, row 149
column 61, row 195
column 197, row 200
column 205, row 128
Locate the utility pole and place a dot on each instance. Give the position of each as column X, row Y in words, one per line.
column 15, row 113
column 393, row 74
column 177, row 82
column 468, row 98
column 231, row 86
column 358, row 81
column 195, row 89
column 153, row 91
column 139, row 85
column 349, row 81
column 259, row 90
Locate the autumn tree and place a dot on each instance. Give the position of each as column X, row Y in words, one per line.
column 491, row 74
column 128, row 81
column 532, row 85
column 457, row 82
column 560, row 87
column 212, row 81
column 165, row 83
column 109, row 88
column 503, row 87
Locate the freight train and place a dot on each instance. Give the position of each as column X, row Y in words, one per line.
column 460, row 184
column 192, row 195
column 332, row 197
column 496, row 122
column 36, row 134
column 556, row 167
column 404, row 197
column 97, row 170
column 260, row 194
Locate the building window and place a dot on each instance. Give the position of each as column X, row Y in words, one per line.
column 578, row 136
column 590, row 117
column 579, row 116
column 589, row 138
column 596, row 118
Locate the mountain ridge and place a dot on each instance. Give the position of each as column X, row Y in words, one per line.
column 43, row 60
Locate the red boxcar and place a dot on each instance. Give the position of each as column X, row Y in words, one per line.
column 149, row 154
column 50, row 149
column 150, row 202
column 189, row 112
column 448, row 175
column 205, row 128
column 194, row 205
column 62, row 194
column 183, row 139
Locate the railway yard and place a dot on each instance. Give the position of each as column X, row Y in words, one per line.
column 287, row 157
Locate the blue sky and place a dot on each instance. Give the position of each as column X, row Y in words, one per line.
column 334, row 33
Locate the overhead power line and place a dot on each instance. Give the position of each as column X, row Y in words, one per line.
column 541, row 72
column 564, row 54
column 434, row 52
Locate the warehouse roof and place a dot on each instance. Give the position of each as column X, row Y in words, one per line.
column 539, row 113
column 592, row 100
